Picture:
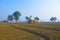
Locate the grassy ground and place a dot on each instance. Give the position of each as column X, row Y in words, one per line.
column 50, row 29
column 8, row 32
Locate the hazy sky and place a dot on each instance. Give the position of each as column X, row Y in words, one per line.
column 44, row 9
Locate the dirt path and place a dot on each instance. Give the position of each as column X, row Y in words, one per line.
column 43, row 28
column 35, row 33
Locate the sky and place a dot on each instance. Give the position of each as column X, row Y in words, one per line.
column 44, row 9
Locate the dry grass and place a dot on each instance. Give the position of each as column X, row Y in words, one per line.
column 9, row 33
column 53, row 34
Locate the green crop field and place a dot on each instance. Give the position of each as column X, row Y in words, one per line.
column 23, row 31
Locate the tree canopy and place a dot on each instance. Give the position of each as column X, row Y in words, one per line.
column 16, row 15
column 10, row 17
column 37, row 18
column 53, row 19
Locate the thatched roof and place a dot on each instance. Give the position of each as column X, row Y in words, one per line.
column 30, row 21
column 33, row 21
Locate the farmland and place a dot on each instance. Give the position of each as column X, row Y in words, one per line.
column 23, row 31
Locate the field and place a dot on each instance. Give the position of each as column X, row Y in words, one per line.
column 23, row 31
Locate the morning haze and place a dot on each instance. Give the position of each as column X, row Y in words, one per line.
column 44, row 9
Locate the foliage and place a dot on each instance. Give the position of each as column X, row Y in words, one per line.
column 10, row 17
column 27, row 18
column 37, row 18
column 16, row 15
column 53, row 19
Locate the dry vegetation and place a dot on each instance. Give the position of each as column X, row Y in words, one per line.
column 7, row 32
column 50, row 29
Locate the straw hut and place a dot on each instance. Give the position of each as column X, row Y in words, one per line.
column 35, row 21
column 30, row 21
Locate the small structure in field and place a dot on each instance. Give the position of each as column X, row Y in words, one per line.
column 30, row 21
column 36, row 19
column 33, row 21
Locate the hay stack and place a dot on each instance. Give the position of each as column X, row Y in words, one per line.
column 35, row 21
column 30, row 21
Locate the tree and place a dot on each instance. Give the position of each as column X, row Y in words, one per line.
column 10, row 17
column 16, row 15
column 37, row 18
column 53, row 19
column 5, row 21
column 27, row 18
